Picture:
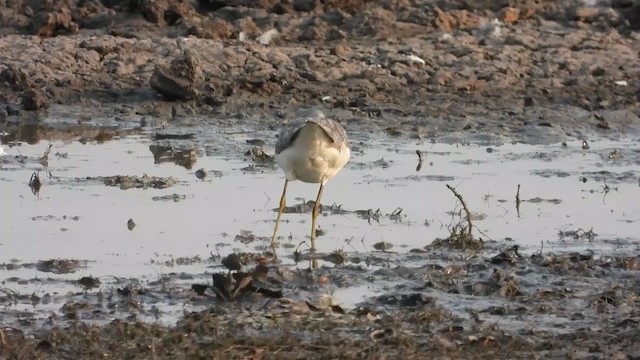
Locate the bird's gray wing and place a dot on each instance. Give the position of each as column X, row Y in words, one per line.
column 289, row 131
column 335, row 131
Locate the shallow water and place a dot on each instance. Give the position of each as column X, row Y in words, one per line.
column 76, row 218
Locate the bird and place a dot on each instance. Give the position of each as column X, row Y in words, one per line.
column 311, row 148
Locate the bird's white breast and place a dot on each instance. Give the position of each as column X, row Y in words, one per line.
column 312, row 158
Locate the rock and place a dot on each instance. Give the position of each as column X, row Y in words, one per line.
column 247, row 25
column 632, row 15
column 281, row 8
column 374, row 22
column 340, row 50
column 118, row 67
column 634, row 355
column 455, row 19
column 216, row 29
column 311, row 33
column 526, row 41
column 49, row 24
column 179, row 81
column 89, row 56
column 177, row 11
column 187, row 67
column 441, row 78
column 529, row 101
column 509, row 15
column 162, row 12
column 585, row 13
column 34, row 99
column 623, row 121
column 268, row 36
column 334, row 34
column 211, row 5
column 304, row 5
column 348, row 6
column 12, row 110
column 15, row 77
column 170, row 86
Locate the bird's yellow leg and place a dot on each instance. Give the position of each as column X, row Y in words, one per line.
column 283, row 203
column 314, row 217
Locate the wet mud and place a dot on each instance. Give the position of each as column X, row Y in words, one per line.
column 527, row 71
column 495, row 303
column 488, row 211
column 449, row 259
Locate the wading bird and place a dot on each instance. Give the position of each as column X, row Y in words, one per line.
column 312, row 148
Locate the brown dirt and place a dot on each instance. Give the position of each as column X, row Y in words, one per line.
column 354, row 336
column 550, row 61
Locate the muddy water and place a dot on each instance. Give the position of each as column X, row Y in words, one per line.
column 380, row 196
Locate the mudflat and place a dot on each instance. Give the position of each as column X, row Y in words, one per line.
column 408, row 67
column 488, row 210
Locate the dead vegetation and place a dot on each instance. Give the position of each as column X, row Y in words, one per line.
column 162, row 153
column 35, row 184
column 577, row 234
column 257, row 309
column 425, row 333
column 126, row 182
column 59, row 266
column 460, row 231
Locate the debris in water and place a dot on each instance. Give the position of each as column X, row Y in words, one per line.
column 510, row 256
column 44, row 160
column 245, row 237
column 420, row 160
column 337, row 257
column 131, row 224
column 201, row 173
column 58, row 266
column 228, row 286
column 382, row 163
column 232, row 262
column 172, row 197
column 578, row 234
column 396, row 214
column 369, row 215
column 35, row 184
column 126, row 182
column 256, row 142
column 518, row 200
column 173, row 136
column 614, row 155
column 167, row 153
column 60, row 155
column 460, row 233
column 89, row 282
column 260, row 156
column 383, row 246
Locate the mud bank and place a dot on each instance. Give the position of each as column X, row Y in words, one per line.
column 412, row 68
